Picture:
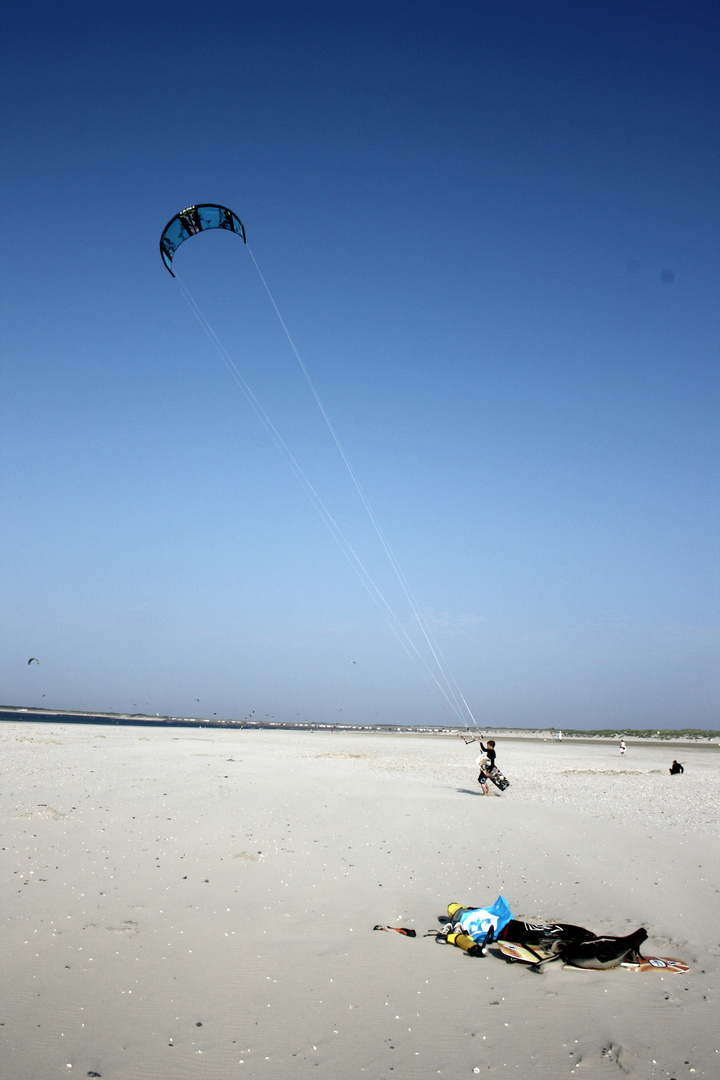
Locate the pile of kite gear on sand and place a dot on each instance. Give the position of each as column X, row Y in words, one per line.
column 478, row 930
column 475, row 930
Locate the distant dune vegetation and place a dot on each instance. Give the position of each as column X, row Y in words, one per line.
column 645, row 733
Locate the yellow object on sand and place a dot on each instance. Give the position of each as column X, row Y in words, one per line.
column 463, row 941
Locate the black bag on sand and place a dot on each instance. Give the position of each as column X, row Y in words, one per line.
column 604, row 952
column 572, row 944
column 544, row 934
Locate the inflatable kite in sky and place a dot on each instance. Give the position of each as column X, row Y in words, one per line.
column 33, row 660
column 196, row 219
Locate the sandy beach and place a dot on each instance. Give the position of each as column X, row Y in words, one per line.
column 181, row 903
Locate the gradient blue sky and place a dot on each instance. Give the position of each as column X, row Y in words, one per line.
column 492, row 232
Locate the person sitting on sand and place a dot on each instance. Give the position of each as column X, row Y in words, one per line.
column 676, row 768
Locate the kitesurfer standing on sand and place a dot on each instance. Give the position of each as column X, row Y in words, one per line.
column 486, row 763
column 490, row 751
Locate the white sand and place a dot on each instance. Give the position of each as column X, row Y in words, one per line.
column 200, row 904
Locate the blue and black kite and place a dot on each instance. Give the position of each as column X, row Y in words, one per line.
column 196, row 219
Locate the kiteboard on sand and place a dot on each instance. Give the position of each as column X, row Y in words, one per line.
column 514, row 951
column 657, row 963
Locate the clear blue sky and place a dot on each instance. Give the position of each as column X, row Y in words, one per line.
column 492, row 232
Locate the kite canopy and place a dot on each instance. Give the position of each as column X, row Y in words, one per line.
column 196, row 219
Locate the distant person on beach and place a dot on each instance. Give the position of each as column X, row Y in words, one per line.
column 676, row 768
column 622, row 748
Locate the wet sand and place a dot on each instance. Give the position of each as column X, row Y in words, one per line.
column 181, row 903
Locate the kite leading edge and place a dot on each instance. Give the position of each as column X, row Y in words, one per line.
column 196, row 219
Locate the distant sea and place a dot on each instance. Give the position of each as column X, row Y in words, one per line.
column 140, row 720
column 89, row 718
column 696, row 736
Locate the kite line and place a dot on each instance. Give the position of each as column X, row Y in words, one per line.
column 208, row 216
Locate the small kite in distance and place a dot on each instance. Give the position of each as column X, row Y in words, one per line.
column 33, row 660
